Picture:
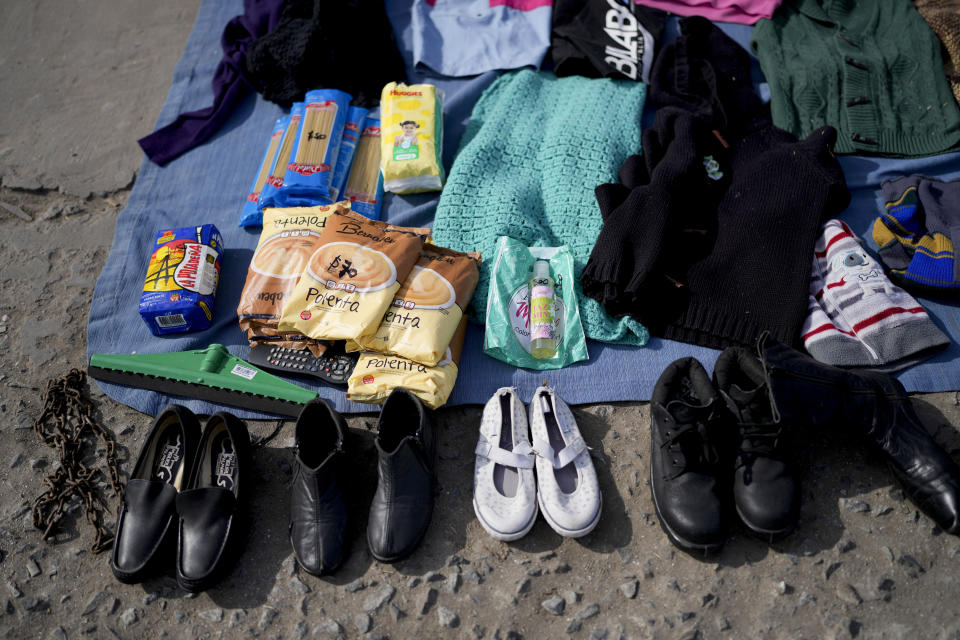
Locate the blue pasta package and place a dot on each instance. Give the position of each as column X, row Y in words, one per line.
column 270, row 194
column 252, row 214
column 351, row 135
column 310, row 170
column 182, row 276
column 364, row 186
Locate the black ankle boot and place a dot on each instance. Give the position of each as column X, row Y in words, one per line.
column 765, row 490
column 684, row 413
column 877, row 406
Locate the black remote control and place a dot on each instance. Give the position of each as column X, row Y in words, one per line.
column 334, row 366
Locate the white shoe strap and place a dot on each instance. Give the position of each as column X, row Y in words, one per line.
column 521, row 457
column 562, row 458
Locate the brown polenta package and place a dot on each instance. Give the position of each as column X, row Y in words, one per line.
column 351, row 278
column 376, row 375
column 427, row 309
column 289, row 238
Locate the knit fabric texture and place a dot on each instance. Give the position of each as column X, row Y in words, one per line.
column 943, row 16
column 346, row 45
column 856, row 316
column 918, row 231
column 708, row 236
column 533, row 151
column 871, row 69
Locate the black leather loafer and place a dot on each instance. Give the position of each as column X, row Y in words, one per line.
column 211, row 507
column 318, row 509
column 148, row 507
column 403, row 503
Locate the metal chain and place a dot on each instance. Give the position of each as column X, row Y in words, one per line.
column 66, row 425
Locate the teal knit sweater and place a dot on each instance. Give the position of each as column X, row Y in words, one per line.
column 870, row 68
column 534, row 150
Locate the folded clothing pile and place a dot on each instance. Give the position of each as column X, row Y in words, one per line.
column 707, row 239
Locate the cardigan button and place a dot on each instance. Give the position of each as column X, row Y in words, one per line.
column 863, row 140
column 853, row 63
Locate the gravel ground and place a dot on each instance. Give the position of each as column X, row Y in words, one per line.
column 863, row 564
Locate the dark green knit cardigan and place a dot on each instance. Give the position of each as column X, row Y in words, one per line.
column 870, row 68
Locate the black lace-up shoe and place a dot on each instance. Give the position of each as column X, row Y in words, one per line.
column 684, row 413
column 765, row 490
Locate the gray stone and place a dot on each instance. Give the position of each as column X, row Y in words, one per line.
column 34, row 604
column 434, row 576
column 478, row 631
column 534, row 572
column 129, row 617
column 854, row 505
column 425, row 601
column 910, row 564
column 17, row 459
column 93, row 603
column 150, row 598
column 414, row 582
column 58, row 634
column 571, row 597
column 33, row 568
column 831, row 569
column 179, row 617
column 14, row 589
column 300, row 630
column 673, row 584
column 379, row 598
column 357, row 585
column 447, row 618
column 211, row 615
column 554, row 605
column 629, row 589
column 456, row 560
column 847, row 593
column 574, row 626
column 683, row 616
column 588, row 612
column 452, row 584
column 396, row 612
column 473, row 576
column 362, row 622
column 881, row 510
column 600, row 633
column 289, row 565
column 237, row 616
column 723, row 624
column 267, row 617
column 563, row 567
column 328, row 628
column 296, row 585
column 846, row 545
column 523, row 586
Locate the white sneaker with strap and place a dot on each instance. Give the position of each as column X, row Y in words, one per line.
column 504, row 487
column 567, row 488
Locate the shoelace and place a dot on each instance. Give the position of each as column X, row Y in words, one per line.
column 760, row 438
column 690, row 447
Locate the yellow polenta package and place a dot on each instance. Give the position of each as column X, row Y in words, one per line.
column 351, row 278
column 289, row 237
column 428, row 307
column 411, row 138
column 376, row 375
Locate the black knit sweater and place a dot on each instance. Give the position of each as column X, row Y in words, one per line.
column 709, row 236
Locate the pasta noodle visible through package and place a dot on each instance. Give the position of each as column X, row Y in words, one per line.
column 376, row 375
column 251, row 215
column 411, row 118
column 288, row 239
column 427, row 310
column 269, row 195
column 364, row 187
column 351, row 279
column 310, row 170
column 348, row 145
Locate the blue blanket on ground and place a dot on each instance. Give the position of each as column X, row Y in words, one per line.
column 209, row 184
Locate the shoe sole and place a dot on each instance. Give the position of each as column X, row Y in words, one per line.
column 678, row 541
column 765, row 534
column 571, row 533
column 502, row 535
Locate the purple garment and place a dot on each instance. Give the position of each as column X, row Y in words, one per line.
column 230, row 85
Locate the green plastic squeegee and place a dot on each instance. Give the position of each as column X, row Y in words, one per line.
column 210, row 374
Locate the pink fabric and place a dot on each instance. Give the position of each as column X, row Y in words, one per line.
column 742, row 11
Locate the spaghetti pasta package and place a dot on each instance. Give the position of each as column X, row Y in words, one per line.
column 289, row 238
column 182, row 277
column 252, row 213
column 270, row 191
column 351, row 278
column 310, row 170
column 412, row 121
column 428, row 307
column 364, row 186
column 348, row 145
column 376, row 375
